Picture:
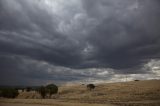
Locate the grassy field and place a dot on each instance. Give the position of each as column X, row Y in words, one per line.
column 50, row 102
column 135, row 93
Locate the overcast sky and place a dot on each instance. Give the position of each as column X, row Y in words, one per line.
column 63, row 41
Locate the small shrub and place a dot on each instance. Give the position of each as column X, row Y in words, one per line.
column 90, row 86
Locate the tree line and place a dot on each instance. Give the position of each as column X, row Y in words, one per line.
column 9, row 92
column 12, row 92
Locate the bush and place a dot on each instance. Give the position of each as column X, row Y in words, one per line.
column 90, row 86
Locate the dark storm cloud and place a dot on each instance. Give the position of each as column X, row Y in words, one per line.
column 128, row 34
column 16, row 70
column 11, row 73
column 20, row 70
column 76, row 37
column 29, row 30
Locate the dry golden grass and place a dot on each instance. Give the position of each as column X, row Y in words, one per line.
column 29, row 95
column 50, row 102
column 135, row 93
column 123, row 92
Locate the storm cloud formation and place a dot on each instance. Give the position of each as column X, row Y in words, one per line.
column 44, row 41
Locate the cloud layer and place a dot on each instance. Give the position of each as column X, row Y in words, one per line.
column 44, row 41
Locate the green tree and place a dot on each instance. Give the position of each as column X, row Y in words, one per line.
column 51, row 89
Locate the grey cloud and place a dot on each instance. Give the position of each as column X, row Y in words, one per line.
column 20, row 70
column 78, row 36
column 118, row 37
column 26, row 71
column 34, row 29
